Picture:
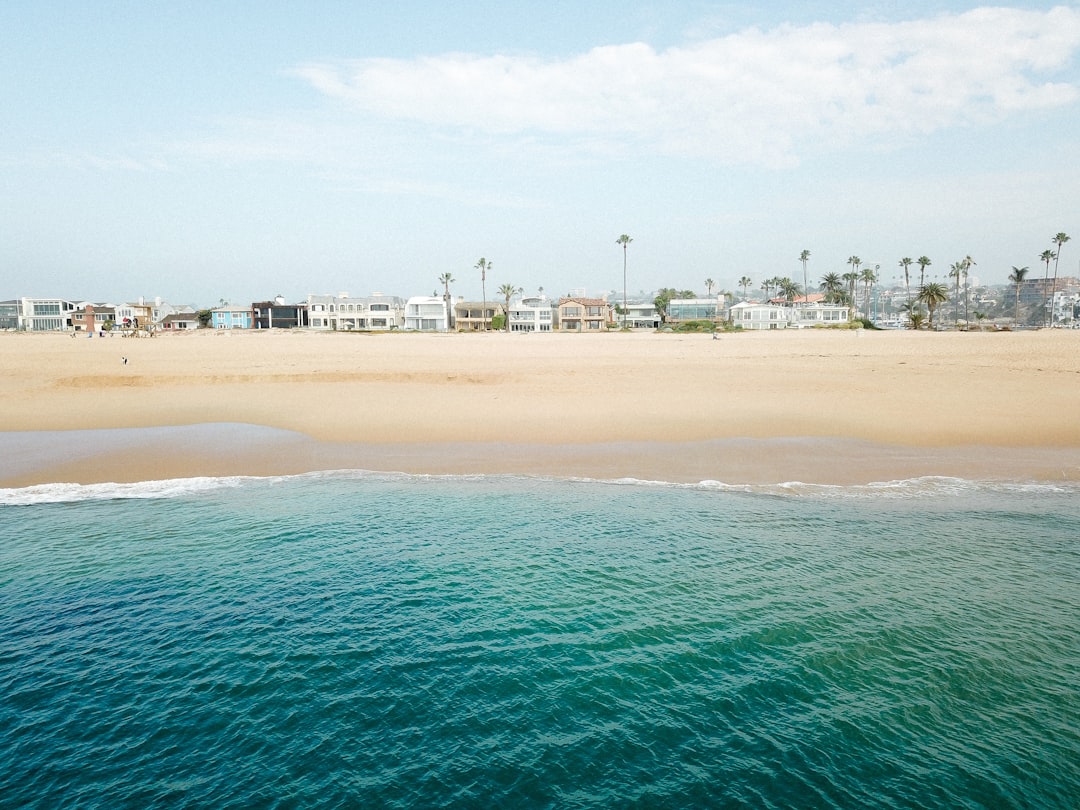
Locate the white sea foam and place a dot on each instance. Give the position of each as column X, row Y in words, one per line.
column 909, row 488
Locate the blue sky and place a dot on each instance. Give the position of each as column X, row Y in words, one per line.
column 208, row 151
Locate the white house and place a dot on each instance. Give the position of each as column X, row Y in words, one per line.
column 44, row 314
column 376, row 312
column 757, row 315
column 426, row 313
column 533, row 313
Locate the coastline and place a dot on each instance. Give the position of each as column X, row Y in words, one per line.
column 837, row 407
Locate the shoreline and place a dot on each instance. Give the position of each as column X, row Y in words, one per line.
column 133, row 455
column 820, row 406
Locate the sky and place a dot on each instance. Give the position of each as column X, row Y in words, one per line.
column 232, row 151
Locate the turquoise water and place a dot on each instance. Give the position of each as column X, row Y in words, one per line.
column 350, row 639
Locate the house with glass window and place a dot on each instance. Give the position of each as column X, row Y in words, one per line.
column 696, row 309
column 230, row 317
column 277, row 314
column 342, row 312
column 427, row 313
column 533, row 313
column 44, row 314
column 798, row 315
column 475, row 316
column 641, row 315
column 584, row 314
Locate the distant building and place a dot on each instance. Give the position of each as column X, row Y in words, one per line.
column 9, row 314
column 695, row 309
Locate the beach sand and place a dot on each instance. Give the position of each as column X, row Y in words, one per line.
column 833, row 406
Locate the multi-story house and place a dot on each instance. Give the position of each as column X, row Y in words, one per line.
column 696, row 309
column 427, row 313
column 475, row 316
column 230, row 317
column 376, row 312
column 44, row 314
column 756, row 315
column 9, row 314
column 88, row 317
column 584, row 314
column 641, row 315
column 533, row 313
column 277, row 314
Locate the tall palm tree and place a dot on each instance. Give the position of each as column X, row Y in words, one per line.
column 1059, row 240
column 851, row 279
column 1046, row 256
column 508, row 291
column 932, row 294
column 446, row 279
column 956, row 271
column 804, row 257
column 709, row 284
column 923, row 262
column 624, row 240
column 1017, row 277
column 745, row 283
column 869, row 278
column 483, row 266
column 968, row 263
column 906, row 263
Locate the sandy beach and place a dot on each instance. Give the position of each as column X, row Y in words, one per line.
column 814, row 405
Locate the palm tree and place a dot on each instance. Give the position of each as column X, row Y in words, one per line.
column 446, row 280
column 1059, row 240
column 833, row 287
column 789, row 289
column 1017, row 277
column 869, row 278
column 1046, row 256
column 624, row 240
column 923, row 263
column 709, row 284
column 804, row 257
column 932, row 294
column 905, row 263
column 914, row 313
column 508, row 291
column 745, row 283
column 956, row 270
column 851, row 279
column 483, row 266
column 968, row 263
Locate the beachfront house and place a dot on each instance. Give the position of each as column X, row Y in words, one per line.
column 89, row 317
column 680, row 310
column 427, row 313
column 533, row 313
column 230, row 317
column 584, row 314
column 179, row 322
column 342, row 312
column 797, row 315
column 277, row 314
column 44, row 314
column 641, row 315
column 475, row 316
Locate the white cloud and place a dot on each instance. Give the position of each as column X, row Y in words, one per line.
column 757, row 96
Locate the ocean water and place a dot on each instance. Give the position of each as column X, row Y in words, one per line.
column 353, row 639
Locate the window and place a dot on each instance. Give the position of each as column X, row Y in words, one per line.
column 378, row 322
column 572, row 312
column 317, row 308
column 380, row 307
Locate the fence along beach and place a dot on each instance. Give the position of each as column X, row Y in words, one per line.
column 831, row 406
